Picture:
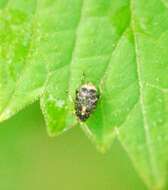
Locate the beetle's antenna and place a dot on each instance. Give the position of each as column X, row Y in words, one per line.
column 83, row 78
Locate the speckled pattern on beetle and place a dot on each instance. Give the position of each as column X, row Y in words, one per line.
column 86, row 100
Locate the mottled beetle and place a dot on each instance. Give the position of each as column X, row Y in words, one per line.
column 86, row 100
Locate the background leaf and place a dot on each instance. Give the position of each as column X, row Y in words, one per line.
column 22, row 70
column 120, row 46
column 144, row 132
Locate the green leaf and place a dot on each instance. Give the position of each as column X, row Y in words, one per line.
column 144, row 131
column 84, row 41
column 22, row 69
column 119, row 46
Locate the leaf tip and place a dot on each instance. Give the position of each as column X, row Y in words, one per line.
column 5, row 115
column 102, row 143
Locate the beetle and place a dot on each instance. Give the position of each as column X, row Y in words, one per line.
column 86, row 100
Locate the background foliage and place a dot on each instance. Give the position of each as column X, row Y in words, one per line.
column 120, row 46
column 32, row 160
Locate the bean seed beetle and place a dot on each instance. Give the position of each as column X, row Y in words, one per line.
column 86, row 100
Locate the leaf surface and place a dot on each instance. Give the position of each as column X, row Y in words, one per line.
column 22, row 71
column 120, row 46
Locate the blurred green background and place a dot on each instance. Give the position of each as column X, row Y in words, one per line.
column 31, row 160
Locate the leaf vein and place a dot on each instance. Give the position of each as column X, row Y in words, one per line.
column 75, row 42
column 150, row 149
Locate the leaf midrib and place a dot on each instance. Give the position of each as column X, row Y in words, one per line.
column 150, row 148
column 75, row 43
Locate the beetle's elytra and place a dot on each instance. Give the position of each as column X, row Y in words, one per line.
column 86, row 100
